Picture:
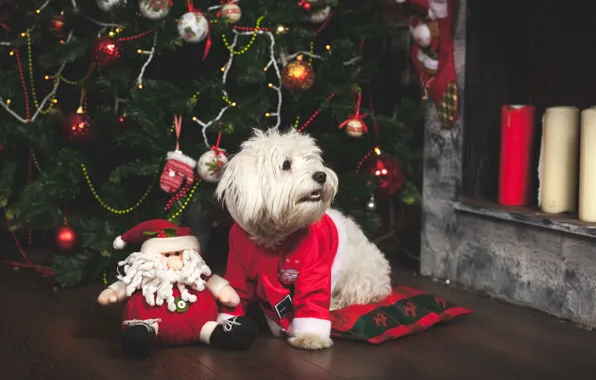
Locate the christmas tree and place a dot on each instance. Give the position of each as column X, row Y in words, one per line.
column 93, row 96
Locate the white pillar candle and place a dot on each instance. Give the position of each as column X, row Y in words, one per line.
column 557, row 170
column 587, row 167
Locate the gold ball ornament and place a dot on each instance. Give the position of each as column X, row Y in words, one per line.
column 298, row 76
column 231, row 13
column 355, row 127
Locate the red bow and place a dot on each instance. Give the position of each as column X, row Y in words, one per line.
column 357, row 115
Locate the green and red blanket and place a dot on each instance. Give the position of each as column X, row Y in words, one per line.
column 406, row 311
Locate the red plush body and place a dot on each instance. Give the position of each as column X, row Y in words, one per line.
column 175, row 328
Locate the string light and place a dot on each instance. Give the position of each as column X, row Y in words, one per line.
column 226, row 69
column 45, row 100
column 112, row 209
column 252, row 40
column 151, row 54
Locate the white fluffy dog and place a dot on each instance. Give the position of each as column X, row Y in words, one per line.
column 277, row 187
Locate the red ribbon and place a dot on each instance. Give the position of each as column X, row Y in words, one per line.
column 208, row 42
column 4, row 26
column 178, row 127
column 215, row 147
column 356, row 115
column 171, row 3
column 191, row 8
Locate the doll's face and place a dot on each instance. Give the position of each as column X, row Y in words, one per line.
column 173, row 260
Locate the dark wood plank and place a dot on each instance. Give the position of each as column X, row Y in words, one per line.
column 64, row 334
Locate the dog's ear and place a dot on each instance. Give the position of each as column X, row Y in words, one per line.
column 240, row 186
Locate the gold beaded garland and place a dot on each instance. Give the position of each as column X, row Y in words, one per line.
column 109, row 208
column 252, row 40
column 186, row 202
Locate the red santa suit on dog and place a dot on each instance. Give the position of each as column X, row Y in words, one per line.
column 293, row 282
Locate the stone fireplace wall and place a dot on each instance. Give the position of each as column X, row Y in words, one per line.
column 552, row 271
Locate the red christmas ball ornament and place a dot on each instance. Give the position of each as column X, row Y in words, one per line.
column 57, row 26
column 305, row 4
column 66, row 238
column 77, row 127
column 388, row 172
column 107, row 51
column 298, row 76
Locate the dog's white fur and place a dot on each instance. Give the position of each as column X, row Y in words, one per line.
column 265, row 201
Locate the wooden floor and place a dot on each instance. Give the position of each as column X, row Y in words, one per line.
column 51, row 334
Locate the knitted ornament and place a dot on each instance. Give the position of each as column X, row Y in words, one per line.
column 437, row 73
column 211, row 164
column 179, row 167
column 156, row 236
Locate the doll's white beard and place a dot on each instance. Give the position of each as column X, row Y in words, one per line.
column 145, row 272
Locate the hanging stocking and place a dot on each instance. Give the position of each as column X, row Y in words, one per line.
column 434, row 62
column 178, row 166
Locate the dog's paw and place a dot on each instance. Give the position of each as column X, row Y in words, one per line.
column 310, row 342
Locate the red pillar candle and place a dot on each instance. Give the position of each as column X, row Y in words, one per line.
column 517, row 132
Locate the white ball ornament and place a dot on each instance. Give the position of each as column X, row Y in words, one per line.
column 109, row 5
column 154, row 9
column 211, row 164
column 231, row 13
column 320, row 15
column 193, row 27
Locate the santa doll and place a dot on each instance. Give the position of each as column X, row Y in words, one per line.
column 173, row 295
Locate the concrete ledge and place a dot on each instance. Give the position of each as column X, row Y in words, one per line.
column 560, row 222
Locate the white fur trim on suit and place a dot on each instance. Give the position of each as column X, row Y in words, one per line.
column 215, row 284
column 171, row 244
column 206, row 331
column 422, row 35
column 315, row 326
column 430, row 63
column 342, row 242
column 119, row 243
column 177, row 155
column 222, row 317
column 275, row 328
column 400, row 1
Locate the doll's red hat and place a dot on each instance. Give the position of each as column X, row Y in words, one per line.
column 157, row 236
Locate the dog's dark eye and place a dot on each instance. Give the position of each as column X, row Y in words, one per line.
column 287, row 165
column 177, row 253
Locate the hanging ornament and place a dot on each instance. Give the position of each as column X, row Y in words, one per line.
column 298, row 75
column 212, row 162
column 317, row 13
column 109, row 5
column 66, row 238
column 305, row 4
column 388, row 172
column 371, row 205
column 179, row 167
column 57, row 26
column 231, row 13
column 193, row 27
column 77, row 127
column 355, row 126
column 107, row 52
column 155, row 9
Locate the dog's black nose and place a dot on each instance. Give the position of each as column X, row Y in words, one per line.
column 319, row 177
